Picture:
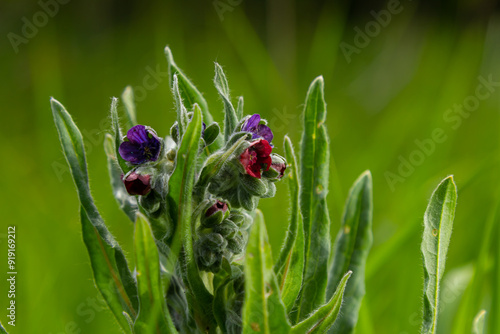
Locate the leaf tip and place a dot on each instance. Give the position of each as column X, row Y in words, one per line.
column 168, row 54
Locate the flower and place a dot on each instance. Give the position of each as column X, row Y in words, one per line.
column 137, row 184
column 257, row 157
column 143, row 145
column 279, row 167
column 218, row 206
column 258, row 130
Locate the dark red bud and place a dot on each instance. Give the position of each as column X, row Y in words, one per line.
column 137, row 184
column 218, row 206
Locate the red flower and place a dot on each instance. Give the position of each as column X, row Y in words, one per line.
column 137, row 184
column 257, row 157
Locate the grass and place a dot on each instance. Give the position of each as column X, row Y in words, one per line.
column 395, row 91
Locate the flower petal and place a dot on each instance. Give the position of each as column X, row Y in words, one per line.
column 138, row 134
column 137, row 184
column 264, row 131
column 262, row 147
column 280, row 167
column 132, row 152
column 251, row 123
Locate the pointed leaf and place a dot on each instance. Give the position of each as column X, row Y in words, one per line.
column 239, row 108
column 190, row 94
column 103, row 258
column 180, row 204
column 314, row 166
column 438, row 223
column 117, row 134
column 101, row 245
column 230, row 118
column 290, row 264
column 153, row 314
column 479, row 323
column 351, row 249
column 127, row 203
column 323, row 318
column 128, row 101
column 2, row 329
column 215, row 162
column 182, row 117
column 263, row 310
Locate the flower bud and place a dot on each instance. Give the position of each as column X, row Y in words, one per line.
column 214, row 214
column 137, row 184
column 237, row 243
column 227, row 229
column 209, row 251
column 277, row 170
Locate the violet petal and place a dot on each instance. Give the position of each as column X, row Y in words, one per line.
column 138, row 134
column 251, row 123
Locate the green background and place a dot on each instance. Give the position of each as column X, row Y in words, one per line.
column 394, row 90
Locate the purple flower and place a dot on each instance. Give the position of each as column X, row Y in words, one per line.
column 143, row 145
column 258, row 130
column 137, row 184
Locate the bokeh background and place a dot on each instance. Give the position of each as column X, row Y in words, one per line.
column 387, row 93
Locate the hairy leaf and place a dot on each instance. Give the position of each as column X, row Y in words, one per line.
column 438, row 223
column 190, row 94
column 351, row 249
column 230, row 118
column 263, row 310
column 117, row 134
column 290, row 264
column 153, row 314
column 127, row 203
column 111, row 271
column 180, row 197
column 314, row 165
column 324, row 317
column 130, row 112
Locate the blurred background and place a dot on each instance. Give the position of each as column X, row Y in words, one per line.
column 413, row 95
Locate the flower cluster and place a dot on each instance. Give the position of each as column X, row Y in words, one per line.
column 221, row 234
column 245, row 177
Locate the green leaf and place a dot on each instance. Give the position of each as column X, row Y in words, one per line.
column 104, row 261
column 127, row 203
column 314, row 165
column 182, row 117
column 215, row 162
column 2, row 329
column 220, row 282
column 438, row 223
column 111, row 272
column 211, row 133
column 128, row 101
column 230, row 118
column 263, row 310
column 190, row 94
column 239, row 108
column 153, row 314
column 351, row 249
column 324, row 317
column 181, row 207
column 117, row 134
column 479, row 323
column 290, row 264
